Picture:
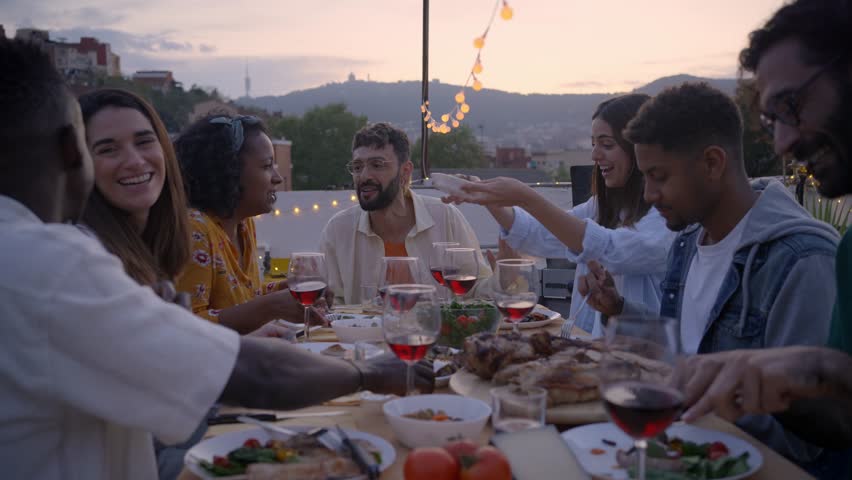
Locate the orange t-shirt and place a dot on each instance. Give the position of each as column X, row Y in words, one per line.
column 395, row 250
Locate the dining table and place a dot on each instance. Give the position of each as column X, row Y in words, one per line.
column 369, row 418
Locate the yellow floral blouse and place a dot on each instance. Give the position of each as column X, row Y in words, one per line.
column 214, row 276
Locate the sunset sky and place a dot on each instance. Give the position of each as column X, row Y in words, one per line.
column 550, row 46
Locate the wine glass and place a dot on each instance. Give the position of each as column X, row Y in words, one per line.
column 636, row 377
column 411, row 322
column 438, row 262
column 461, row 270
column 514, row 293
column 307, row 279
column 397, row 270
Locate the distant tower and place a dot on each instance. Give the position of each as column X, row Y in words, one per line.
column 248, row 82
column 351, row 77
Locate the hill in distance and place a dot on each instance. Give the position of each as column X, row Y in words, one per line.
column 534, row 121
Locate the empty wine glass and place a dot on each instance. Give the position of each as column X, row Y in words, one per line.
column 636, row 377
column 307, row 279
column 396, row 271
column 514, row 289
column 411, row 322
column 461, row 271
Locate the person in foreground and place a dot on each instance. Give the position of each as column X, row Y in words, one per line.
column 92, row 363
column 229, row 169
column 804, row 77
column 390, row 220
column 748, row 269
column 616, row 227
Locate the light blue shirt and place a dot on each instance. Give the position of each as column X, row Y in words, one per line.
column 635, row 255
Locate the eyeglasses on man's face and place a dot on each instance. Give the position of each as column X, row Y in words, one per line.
column 786, row 107
column 377, row 165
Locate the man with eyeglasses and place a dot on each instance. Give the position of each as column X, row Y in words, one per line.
column 802, row 62
column 390, row 220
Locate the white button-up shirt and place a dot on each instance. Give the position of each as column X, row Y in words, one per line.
column 354, row 252
column 91, row 363
column 635, row 256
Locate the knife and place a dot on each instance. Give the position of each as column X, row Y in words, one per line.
column 365, row 461
column 228, row 418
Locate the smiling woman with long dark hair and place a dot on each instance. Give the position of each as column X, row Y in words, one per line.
column 616, row 227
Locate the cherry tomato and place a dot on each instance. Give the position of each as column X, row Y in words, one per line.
column 221, row 461
column 430, row 464
column 461, row 448
column 487, row 464
column 717, row 450
column 252, row 443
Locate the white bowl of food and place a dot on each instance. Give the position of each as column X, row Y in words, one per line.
column 432, row 420
column 351, row 328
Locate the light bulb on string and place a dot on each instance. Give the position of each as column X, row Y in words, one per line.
column 445, row 118
column 460, row 97
column 477, row 67
column 456, row 125
column 464, row 108
column 459, row 116
column 506, row 12
column 479, row 42
column 477, row 85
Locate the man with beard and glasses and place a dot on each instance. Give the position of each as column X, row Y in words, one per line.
column 749, row 269
column 390, row 220
column 803, row 66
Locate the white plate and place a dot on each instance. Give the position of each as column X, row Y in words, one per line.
column 583, row 439
column 551, row 317
column 318, row 347
column 222, row 444
column 449, row 184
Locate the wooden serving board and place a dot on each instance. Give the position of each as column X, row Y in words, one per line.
column 469, row 385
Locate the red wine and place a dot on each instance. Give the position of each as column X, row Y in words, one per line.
column 515, row 310
column 307, row 293
column 460, row 284
column 411, row 348
column 642, row 410
column 438, row 275
column 403, row 301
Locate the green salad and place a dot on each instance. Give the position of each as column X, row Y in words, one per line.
column 677, row 459
column 461, row 320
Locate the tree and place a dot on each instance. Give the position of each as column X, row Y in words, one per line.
column 322, row 144
column 758, row 154
column 457, row 149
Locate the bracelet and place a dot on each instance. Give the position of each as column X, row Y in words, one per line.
column 360, row 375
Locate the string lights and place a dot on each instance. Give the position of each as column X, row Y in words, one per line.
column 315, row 207
column 453, row 118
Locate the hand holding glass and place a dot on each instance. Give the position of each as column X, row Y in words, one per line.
column 307, row 281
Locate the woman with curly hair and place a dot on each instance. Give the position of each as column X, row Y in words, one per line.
column 230, row 175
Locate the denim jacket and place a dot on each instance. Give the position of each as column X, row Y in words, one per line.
column 779, row 291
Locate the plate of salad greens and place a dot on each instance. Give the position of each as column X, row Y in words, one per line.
column 683, row 452
column 460, row 320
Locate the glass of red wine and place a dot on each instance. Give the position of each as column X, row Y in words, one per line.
column 515, row 289
column 396, row 271
column 461, row 270
column 438, row 262
column 307, row 281
column 636, row 377
column 411, row 323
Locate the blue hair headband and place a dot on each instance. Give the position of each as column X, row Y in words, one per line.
column 236, row 126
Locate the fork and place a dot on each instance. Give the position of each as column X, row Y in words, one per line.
column 569, row 324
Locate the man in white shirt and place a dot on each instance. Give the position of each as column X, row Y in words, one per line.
column 91, row 363
column 390, row 219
